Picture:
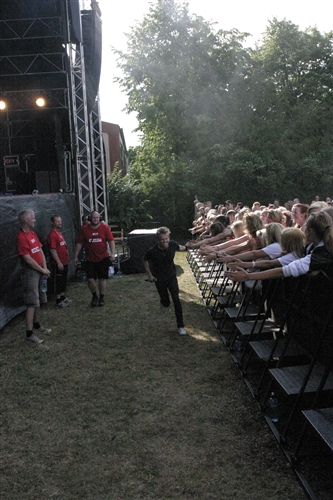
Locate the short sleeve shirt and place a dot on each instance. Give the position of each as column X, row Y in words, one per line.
column 273, row 250
column 161, row 261
column 29, row 244
column 57, row 242
column 318, row 260
column 95, row 241
column 287, row 258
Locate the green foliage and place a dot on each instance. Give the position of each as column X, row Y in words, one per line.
column 223, row 121
column 177, row 74
column 126, row 202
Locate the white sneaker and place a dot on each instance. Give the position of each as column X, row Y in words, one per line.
column 182, row 331
column 42, row 329
column 62, row 304
column 67, row 301
column 34, row 339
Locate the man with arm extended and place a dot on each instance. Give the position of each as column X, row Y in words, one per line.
column 163, row 272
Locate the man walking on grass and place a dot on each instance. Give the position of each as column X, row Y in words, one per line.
column 98, row 242
column 160, row 268
column 33, row 270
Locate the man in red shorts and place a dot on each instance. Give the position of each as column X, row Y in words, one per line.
column 59, row 260
column 99, row 245
column 34, row 269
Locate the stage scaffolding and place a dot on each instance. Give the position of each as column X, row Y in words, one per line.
column 46, row 56
column 87, row 130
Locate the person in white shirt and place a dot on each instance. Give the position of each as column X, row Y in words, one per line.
column 319, row 259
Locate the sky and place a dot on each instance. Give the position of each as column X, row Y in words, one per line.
column 251, row 16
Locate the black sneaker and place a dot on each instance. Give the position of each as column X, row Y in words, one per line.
column 94, row 301
column 101, row 303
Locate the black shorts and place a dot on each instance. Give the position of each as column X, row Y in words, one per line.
column 59, row 278
column 98, row 270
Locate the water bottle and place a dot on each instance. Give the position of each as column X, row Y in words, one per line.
column 43, row 285
column 111, row 271
column 273, row 408
column 238, row 345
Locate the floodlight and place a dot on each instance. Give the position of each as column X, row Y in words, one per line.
column 40, row 101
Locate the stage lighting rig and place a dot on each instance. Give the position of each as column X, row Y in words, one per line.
column 40, row 101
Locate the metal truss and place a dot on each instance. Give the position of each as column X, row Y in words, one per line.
column 25, row 100
column 23, row 29
column 99, row 171
column 37, row 64
column 51, row 60
column 80, row 121
column 88, row 139
column 62, row 62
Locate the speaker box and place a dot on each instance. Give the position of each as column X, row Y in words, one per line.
column 47, row 181
column 138, row 241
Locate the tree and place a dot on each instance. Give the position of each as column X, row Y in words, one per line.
column 177, row 75
column 126, row 202
column 220, row 120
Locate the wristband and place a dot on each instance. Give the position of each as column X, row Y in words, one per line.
column 253, row 264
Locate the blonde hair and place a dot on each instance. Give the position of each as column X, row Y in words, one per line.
column 322, row 225
column 317, row 206
column 162, row 230
column 329, row 211
column 252, row 223
column 275, row 214
column 242, row 212
column 273, row 232
column 237, row 227
column 292, row 241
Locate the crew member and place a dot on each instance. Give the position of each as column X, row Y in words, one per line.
column 33, row 270
column 59, row 261
column 98, row 242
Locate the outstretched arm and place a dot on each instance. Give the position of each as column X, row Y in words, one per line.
column 240, row 274
column 212, row 240
column 255, row 264
column 252, row 255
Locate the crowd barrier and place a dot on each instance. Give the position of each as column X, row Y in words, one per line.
column 280, row 335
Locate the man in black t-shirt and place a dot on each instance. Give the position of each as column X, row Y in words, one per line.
column 160, row 268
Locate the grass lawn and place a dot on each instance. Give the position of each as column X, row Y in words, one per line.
column 116, row 405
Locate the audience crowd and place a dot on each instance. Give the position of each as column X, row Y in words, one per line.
column 283, row 259
column 293, row 239
column 236, row 233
